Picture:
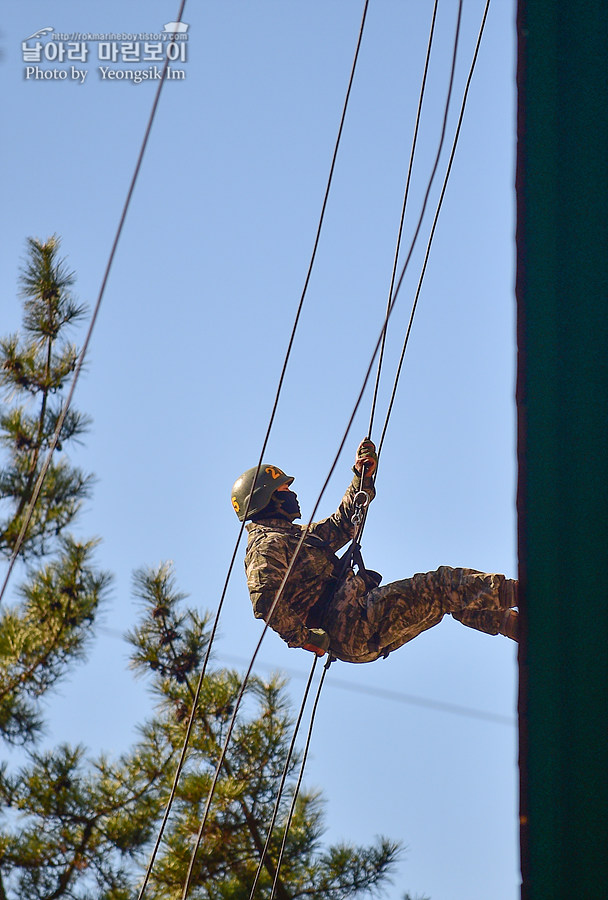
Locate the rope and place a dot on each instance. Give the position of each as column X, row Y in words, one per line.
column 64, row 411
column 435, row 220
column 300, row 776
column 235, row 711
column 332, row 468
column 260, row 459
column 381, row 341
column 306, row 528
column 402, row 220
column 393, row 296
column 353, row 413
column 277, row 804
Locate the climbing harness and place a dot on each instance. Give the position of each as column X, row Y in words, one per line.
column 371, row 578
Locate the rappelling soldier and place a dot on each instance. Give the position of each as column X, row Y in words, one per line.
column 324, row 604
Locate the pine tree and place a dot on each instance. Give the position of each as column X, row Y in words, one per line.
column 48, row 629
column 75, row 826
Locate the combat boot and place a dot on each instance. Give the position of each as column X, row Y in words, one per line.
column 510, row 625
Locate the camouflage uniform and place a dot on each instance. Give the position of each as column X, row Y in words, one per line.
column 362, row 624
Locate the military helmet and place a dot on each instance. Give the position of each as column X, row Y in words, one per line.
column 269, row 478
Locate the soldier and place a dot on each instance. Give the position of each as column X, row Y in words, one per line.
column 322, row 607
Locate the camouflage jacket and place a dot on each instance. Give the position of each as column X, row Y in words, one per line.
column 271, row 546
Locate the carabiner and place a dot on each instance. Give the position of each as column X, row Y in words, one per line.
column 361, row 501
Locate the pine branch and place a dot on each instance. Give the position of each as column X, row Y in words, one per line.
column 42, row 638
column 33, row 469
column 75, row 864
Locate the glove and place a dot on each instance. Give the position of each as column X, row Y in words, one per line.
column 366, row 456
column 318, row 641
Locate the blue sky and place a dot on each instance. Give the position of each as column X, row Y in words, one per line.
column 188, row 347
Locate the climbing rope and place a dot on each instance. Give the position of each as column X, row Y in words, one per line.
column 29, row 511
column 434, row 225
column 306, row 528
column 347, row 429
column 300, row 776
column 361, row 522
column 260, row 459
column 279, row 797
column 237, row 705
column 394, row 293
column 379, row 346
column 402, row 219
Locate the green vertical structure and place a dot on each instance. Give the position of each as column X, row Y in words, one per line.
column 562, row 396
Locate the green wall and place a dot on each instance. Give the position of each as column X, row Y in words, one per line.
column 562, row 395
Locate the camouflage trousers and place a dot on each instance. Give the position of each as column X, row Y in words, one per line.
column 364, row 625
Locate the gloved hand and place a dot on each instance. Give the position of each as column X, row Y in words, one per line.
column 318, row 641
column 366, row 456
